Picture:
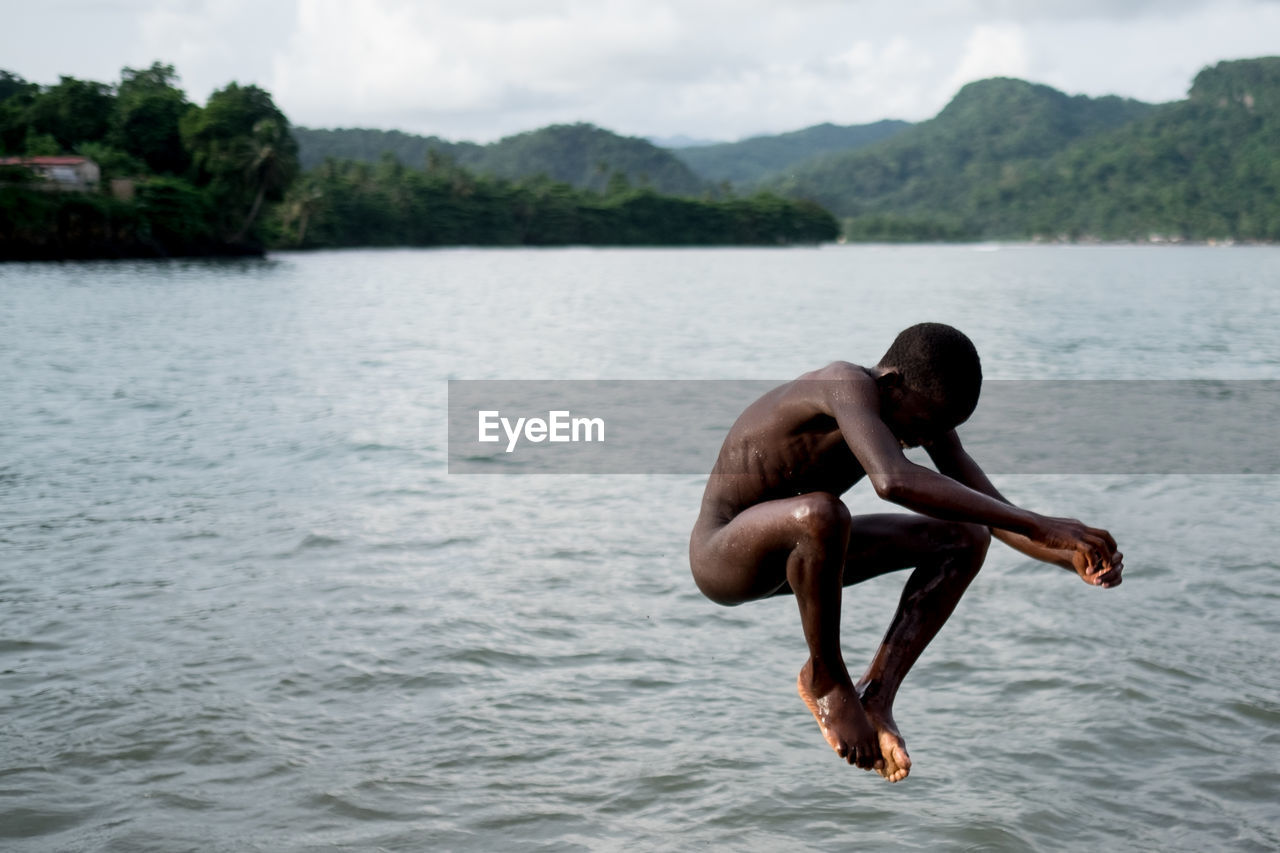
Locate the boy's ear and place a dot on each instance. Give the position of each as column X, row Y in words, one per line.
column 890, row 379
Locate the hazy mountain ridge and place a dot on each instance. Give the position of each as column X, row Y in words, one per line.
column 368, row 145
column 587, row 156
column 1005, row 158
column 1203, row 168
column 582, row 155
column 752, row 160
column 987, row 127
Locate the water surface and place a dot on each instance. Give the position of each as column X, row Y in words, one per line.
column 243, row 606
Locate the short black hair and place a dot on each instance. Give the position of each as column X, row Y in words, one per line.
column 940, row 362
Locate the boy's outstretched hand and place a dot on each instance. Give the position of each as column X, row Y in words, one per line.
column 1093, row 553
column 1104, row 573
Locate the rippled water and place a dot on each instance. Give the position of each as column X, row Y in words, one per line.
column 243, row 607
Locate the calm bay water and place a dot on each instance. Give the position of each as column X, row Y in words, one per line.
column 243, row 607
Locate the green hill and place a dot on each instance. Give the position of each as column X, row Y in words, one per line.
column 347, row 203
column 588, row 157
column 752, row 160
column 585, row 156
column 933, row 171
column 368, row 146
column 1204, row 168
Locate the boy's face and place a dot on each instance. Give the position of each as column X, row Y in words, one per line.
column 914, row 419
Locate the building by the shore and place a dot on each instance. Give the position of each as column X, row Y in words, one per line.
column 59, row 173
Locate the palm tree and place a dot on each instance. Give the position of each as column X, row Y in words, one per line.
column 266, row 167
column 303, row 201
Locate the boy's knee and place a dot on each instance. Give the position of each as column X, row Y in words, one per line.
column 822, row 516
column 960, row 536
column 974, row 538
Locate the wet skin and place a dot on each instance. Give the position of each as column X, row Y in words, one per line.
column 772, row 523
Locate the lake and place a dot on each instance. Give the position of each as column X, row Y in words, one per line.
column 244, row 605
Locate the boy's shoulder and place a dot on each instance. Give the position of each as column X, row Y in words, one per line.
column 835, row 384
column 839, row 371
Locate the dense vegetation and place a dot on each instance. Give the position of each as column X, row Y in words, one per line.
column 207, row 181
column 925, row 180
column 588, row 157
column 1204, row 168
column 357, row 204
column 581, row 155
column 752, row 160
column 1009, row 159
column 203, row 174
column 364, row 145
column 1005, row 159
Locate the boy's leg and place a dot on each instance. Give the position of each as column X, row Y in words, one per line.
column 946, row 556
column 798, row 543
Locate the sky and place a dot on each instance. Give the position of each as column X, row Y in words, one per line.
column 704, row 69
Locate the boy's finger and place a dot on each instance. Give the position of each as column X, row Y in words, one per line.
column 1100, row 571
column 1105, row 536
column 1092, row 547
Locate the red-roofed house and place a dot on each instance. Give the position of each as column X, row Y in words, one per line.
column 62, row 173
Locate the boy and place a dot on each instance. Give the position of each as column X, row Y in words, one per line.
column 772, row 521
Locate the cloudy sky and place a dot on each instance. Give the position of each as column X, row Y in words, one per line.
column 481, row 69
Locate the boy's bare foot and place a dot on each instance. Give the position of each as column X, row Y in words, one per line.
column 895, row 762
column 843, row 722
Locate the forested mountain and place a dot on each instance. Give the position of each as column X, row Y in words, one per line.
column 1004, row 159
column 990, row 130
column 751, row 160
column 582, row 155
column 1011, row 159
column 1204, row 168
column 588, row 157
column 368, row 146
column 346, row 203
column 165, row 176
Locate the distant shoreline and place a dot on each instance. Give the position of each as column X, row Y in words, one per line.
column 989, row 245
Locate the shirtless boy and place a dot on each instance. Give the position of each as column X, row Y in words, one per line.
column 772, row 521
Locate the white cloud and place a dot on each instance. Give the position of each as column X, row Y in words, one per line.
column 706, row 68
column 864, row 82
column 992, row 50
column 420, row 63
column 213, row 42
column 1153, row 58
column 699, row 68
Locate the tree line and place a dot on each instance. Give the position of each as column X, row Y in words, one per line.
column 350, row 203
column 224, row 178
column 1203, row 168
column 581, row 155
column 203, row 174
column 1007, row 159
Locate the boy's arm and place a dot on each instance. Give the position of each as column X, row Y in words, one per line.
column 952, row 460
column 853, row 400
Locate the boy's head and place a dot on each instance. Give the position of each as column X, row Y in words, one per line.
column 940, row 365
